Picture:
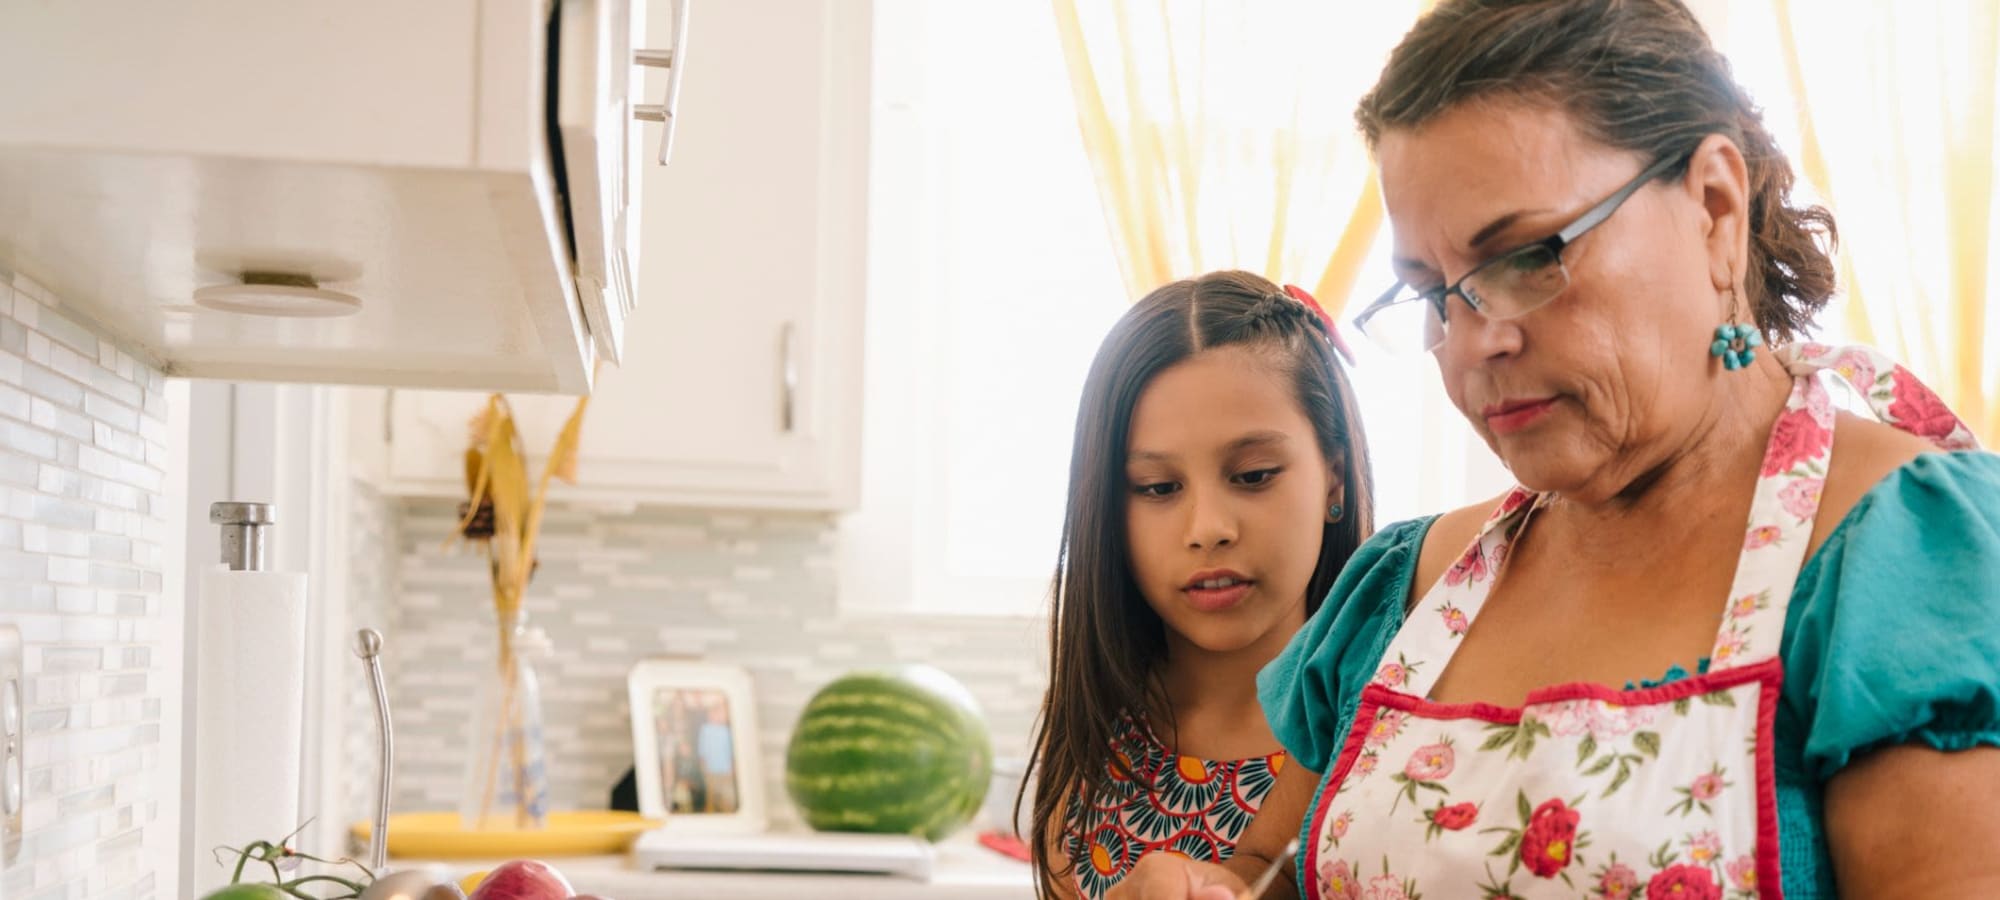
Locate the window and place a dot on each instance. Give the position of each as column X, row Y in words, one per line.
column 991, row 282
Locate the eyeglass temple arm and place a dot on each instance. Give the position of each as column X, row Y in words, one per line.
column 1602, row 211
column 1377, row 304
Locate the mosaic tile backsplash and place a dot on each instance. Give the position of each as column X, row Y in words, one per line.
column 755, row 590
column 83, row 460
column 373, row 519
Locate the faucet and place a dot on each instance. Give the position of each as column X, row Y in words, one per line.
column 368, row 646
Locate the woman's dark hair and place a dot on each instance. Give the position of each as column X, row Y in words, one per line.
column 1106, row 644
column 1639, row 75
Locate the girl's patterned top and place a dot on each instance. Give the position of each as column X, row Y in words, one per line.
column 1178, row 804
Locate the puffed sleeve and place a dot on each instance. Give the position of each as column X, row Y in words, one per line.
column 1310, row 690
column 1897, row 632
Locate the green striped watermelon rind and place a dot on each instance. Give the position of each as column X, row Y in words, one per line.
column 904, row 751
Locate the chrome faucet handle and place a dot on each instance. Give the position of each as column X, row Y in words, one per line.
column 368, row 646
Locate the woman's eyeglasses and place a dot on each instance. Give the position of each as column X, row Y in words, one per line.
column 1514, row 283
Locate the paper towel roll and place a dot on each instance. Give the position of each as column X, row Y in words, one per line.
column 249, row 712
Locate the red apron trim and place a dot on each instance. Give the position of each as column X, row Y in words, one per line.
column 1376, row 695
column 1770, row 869
column 1357, row 738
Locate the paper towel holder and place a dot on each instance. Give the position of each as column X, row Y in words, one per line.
column 244, row 526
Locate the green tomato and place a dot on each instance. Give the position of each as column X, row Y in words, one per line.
column 247, row 892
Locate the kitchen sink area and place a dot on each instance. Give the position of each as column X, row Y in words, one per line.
column 253, row 295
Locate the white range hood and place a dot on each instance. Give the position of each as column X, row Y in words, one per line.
column 435, row 194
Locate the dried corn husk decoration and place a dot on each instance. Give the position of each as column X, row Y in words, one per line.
column 497, row 482
column 503, row 516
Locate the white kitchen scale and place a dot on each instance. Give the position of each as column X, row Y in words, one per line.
column 815, row 852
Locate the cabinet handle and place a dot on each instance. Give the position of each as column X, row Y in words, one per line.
column 788, row 413
column 674, row 61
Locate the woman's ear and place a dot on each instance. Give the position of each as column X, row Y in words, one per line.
column 1719, row 179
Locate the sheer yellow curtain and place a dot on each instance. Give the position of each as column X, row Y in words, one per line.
column 1898, row 117
column 1222, row 134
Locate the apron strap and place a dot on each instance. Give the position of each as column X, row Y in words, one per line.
column 1891, row 391
column 1782, row 511
column 1430, row 635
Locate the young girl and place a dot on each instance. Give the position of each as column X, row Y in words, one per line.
column 1218, row 483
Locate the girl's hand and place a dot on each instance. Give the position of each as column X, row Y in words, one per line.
column 1162, row 876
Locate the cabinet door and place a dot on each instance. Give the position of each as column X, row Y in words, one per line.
column 593, row 102
column 696, row 415
column 741, row 373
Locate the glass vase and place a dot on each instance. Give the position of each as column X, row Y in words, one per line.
column 506, row 777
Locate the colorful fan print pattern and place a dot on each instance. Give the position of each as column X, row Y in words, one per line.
column 1170, row 804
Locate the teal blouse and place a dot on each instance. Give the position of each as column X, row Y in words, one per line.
column 1892, row 636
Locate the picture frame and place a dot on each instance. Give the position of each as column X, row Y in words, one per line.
column 695, row 746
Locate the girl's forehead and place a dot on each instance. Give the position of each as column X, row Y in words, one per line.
column 1214, row 400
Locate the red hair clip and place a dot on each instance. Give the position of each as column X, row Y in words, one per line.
column 1332, row 331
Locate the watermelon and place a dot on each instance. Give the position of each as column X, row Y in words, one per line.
column 890, row 752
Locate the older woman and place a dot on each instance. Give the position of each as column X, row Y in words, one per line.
column 1724, row 639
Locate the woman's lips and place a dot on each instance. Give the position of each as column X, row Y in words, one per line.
column 1514, row 415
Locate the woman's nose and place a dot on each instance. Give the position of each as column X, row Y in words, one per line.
column 1470, row 338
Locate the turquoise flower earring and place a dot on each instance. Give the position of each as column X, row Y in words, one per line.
column 1735, row 344
column 1334, row 512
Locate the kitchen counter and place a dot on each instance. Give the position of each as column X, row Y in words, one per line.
column 964, row 870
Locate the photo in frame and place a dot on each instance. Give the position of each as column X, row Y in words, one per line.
column 694, row 741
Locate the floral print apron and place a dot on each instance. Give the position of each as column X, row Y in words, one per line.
column 1663, row 792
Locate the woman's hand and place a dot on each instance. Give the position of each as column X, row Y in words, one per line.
column 1163, row 876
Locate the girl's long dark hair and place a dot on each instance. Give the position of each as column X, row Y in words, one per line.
column 1105, row 643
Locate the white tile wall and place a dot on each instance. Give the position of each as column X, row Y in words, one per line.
column 374, row 540
column 83, row 453
column 755, row 590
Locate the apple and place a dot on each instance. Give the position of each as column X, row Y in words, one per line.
column 411, row 884
column 522, row 879
column 247, row 891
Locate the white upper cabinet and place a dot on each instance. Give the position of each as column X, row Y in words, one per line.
column 741, row 378
column 366, row 192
